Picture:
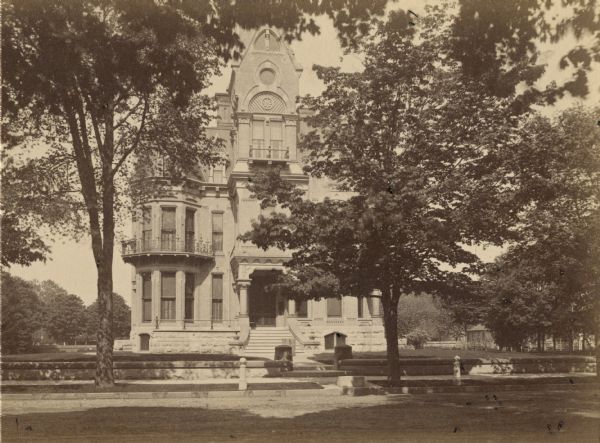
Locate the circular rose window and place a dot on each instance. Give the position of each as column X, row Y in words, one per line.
column 267, row 76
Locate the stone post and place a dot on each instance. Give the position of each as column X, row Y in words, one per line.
column 456, row 370
column 243, row 385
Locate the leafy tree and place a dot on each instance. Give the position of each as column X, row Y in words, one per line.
column 549, row 280
column 501, row 43
column 426, row 313
column 21, row 314
column 65, row 317
column 121, row 318
column 417, row 338
column 94, row 79
column 420, row 147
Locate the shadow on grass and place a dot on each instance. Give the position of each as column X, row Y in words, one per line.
column 472, row 417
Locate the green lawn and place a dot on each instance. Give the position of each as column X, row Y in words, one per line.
column 553, row 416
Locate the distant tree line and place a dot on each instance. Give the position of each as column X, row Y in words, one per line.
column 43, row 313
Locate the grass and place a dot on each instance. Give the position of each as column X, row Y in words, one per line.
column 556, row 416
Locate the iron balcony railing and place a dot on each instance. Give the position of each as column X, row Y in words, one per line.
column 276, row 151
column 166, row 244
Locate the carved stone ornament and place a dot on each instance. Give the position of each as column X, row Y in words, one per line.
column 267, row 102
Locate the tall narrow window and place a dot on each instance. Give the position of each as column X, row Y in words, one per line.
column 146, row 297
column 167, row 233
column 167, row 296
column 190, row 284
column 217, row 231
column 276, row 143
column 360, row 301
column 190, row 240
column 217, row 298
column 258, row 139
column 146, row 228
column 334, row 307
column 302, row 309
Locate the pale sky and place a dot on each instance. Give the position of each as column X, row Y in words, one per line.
column 71, row 264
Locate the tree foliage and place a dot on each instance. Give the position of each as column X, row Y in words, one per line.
column 548, row 282
column 64, row 318
column 121, row 318
column 103, row 81
column 22, row 314
column 502, row 44
column 420, row 148
column 427, row 314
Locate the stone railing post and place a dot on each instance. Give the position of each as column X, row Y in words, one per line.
column 456, row 371
column 243, row 385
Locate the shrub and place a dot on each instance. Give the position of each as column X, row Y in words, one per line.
column 417, row 338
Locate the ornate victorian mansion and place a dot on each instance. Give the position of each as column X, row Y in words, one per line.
column 196, row 287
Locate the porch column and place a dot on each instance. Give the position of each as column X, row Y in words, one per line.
column 179, row 294
column 156, row 289
column 291, row 307
column 136, row 298
column 243, row 286
column 376, row 306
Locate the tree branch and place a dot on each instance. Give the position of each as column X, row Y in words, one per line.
column 135, row 142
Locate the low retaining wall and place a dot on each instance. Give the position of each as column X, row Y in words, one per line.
column 141, row 370
column 473, row 366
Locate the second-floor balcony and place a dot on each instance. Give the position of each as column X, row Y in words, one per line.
column 166, row 244
column 273, row 151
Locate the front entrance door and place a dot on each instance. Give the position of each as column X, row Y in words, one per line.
column 262, row 307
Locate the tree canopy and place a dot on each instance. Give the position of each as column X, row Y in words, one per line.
column 548, row 281
column 22, row 314
column 100, row 81
column 420, row 148
column 503, row 44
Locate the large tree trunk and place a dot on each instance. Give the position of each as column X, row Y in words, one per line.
column 597, row 343
column 390, row 324
column 104, row 347
column 104, row 337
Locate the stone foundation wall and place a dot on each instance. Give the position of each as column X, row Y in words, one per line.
column 211, row 342
column 362, row 338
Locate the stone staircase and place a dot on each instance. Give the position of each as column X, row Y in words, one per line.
column 262, row 341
